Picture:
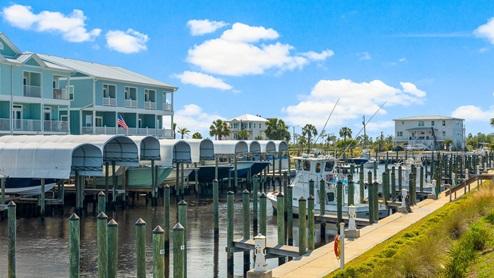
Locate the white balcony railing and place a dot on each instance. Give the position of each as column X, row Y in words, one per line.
column 167, row 107
column 161, row 133
column 32, row 91
column 60, row 94
column 150, row 105
column 109, row 101
column 27, row 125
column 56, row 126
column 4, row 124
column 130, row 103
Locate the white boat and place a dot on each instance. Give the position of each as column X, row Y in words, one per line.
column 370, row 164
column 137, row 177
column 323, row 167
column 27, row 186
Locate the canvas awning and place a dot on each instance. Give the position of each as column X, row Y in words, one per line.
column 281, row 145
column 230, row 147
column 148, row 147
column 32, row 159
column 201, row 149
column 174, row 151
column 267, row 146
column 254, row 146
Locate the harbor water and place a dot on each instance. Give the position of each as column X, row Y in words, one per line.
column 43, row 246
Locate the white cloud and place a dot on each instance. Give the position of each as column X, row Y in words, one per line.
column 473, row 113
column 364, row 56
column 72, row 26
column 355, row 100
column 486, row 31
column 126, row 42
column 402, row 60
column 202, row 80
column 195, row 119
column 202, row 27
column 238, row 52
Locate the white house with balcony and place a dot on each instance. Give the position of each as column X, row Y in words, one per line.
column 254, row 124
column 430, row 132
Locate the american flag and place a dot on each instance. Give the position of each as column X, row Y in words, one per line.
column 121, row 122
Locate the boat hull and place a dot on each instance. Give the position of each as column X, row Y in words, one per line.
column 138, row 177
column 27, row 186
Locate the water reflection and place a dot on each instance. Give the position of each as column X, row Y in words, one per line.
column 43, row 247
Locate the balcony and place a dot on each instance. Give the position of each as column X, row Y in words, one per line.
column 27, row 125
column 32, row 91
column 130, row 103
column 150, row 105
column 109, row 101
column 167, row 107
column 5, row 124
column 56, row 126
column 60, row 94
column 161, row 133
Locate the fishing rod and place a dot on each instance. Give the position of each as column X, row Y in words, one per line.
column 365, row 123
column 327, row 120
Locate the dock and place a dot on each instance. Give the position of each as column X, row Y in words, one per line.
column 322, row 261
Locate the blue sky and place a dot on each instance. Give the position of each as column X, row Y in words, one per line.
column 287, row 59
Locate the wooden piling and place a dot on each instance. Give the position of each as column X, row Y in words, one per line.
column 114, row 185
column 311, row 187
column 393, row 183
column 311, row 243
column 246, row 226
column 339, row 201
column 376, row 201
column 255, row 197
column 112, row 248
column 179, row 267
column 385, row 188
column 74, row 246
column 182, row 219
column 229, row 237
column 302, row 230
column 351, row 193
column 361, row 184
column 370, row 195
column 2, row 181
column 289, row 214
column 262, row 214
column 102, row 231
column 400, row 178
column 216, row 209
column 322, row 206
column 280, row 207
column 141, row 248
column 12, row 240
column 166, row 216
column 158, row 252
column 101, row 202
column 42, row 199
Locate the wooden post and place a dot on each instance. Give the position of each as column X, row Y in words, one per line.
column 376, row 201
column 370, row 195
column 255, row 197
column 302, row 230
column 216, row 209
column 229, row 237
column 216, row 168
column 311, row 242
column 262, row 214
column 112, row 248
column 246, row 226
column 74, row 246
column 141, row 248
column 182, row 219
column 179, row 268
column 177, row 180
column 280, row 221
column 12, row 230
column 235, row 176
column 393, row 183
column 311, row 187
column 42, row 199
column 182, row 189
column 166, row 224
column 77, row 186
column 101, row 202
column 361, row 184
column 3, row 190
column 400, row 178
column 289, row 214
column 322, row 206
column 339, row 201
column 107, row 172
column 115, row 183
column 158, row 254
column 351, row 193
column 385, row 187
column 102, row 245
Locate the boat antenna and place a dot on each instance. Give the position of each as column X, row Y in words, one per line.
column 365, row 123
column 327, row 120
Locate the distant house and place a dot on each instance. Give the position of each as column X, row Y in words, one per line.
column 429, row 132
column 54, row 95
column 254, row 124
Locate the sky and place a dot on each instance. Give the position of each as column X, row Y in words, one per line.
column 327, row 63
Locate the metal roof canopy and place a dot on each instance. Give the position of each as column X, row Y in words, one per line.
column 230, row 147
column 267, row 146
column 28, row 158
column 174, row 151
column 148, row 147
column 201, row 149
column 254, row 146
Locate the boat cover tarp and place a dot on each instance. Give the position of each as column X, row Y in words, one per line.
column 31, row 159
column 267, row 146
column 174, row 151
column 281, row 145
column 230, row 147
column 201, row 149
column 254, row 146
column 148, row 146
column 207, row 173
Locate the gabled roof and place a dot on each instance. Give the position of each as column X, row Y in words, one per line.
column 9, row 43
column 248, row 118
column 107, row 72
column 26, row 56
column 427, row 118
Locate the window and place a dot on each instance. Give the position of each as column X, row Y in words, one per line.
column 432, row 123
column 250, row 125
column 444, row 123
column 329, row 166
column 149, row 95
column 399, row 133
column 98, row 121
column 254, row 125
column 421, row 123
column 306, row 165
column 318, row 167
column 330, row 197
column 71, row 92
column 444, row 133
column 259, row 125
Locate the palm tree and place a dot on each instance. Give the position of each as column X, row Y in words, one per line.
column 258, row 137
column 492, row 122
column 183, row 131
column 219, row 129
column 174, row 130
column 309, row 131
column 276, row 129
column 345, row 132
column 301, row 142
column 197, row 135
column 243, row 135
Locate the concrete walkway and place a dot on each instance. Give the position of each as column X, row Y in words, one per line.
column 322, row 261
